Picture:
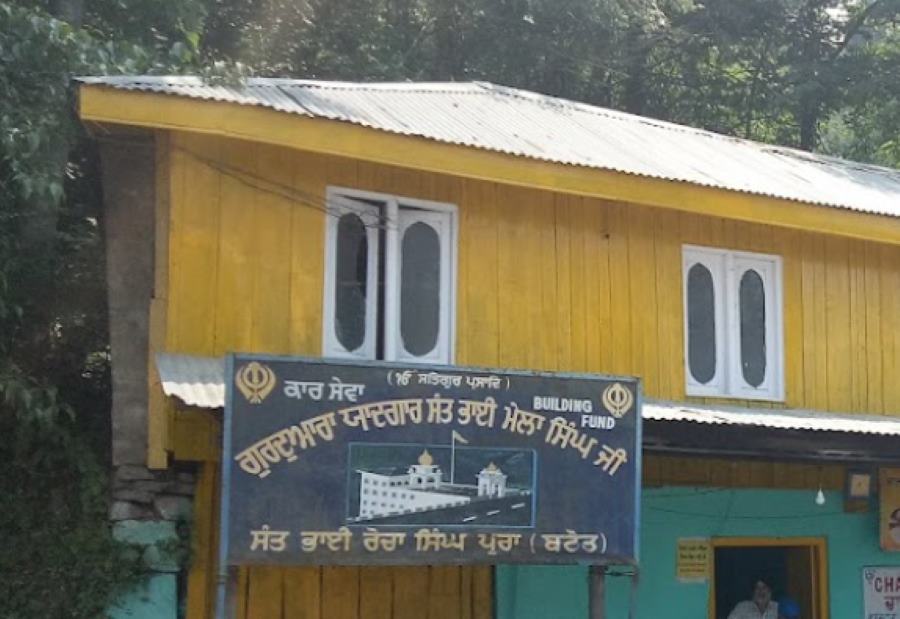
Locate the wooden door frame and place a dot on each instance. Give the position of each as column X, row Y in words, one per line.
column 818, row 543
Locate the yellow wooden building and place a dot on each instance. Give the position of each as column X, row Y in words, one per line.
column 755, row 291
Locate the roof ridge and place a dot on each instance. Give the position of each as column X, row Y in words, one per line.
column 399, row 86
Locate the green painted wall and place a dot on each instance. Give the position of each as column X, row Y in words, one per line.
column 157, row 596
column 539, row 592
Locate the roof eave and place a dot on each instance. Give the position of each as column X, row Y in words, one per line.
column 102, row 104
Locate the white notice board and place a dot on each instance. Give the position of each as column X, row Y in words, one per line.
column 881, row 592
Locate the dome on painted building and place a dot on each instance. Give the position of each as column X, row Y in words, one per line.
column 425, row 459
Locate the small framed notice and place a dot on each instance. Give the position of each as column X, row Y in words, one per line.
column 881, row 592
column 889, row 490
column 692, row 564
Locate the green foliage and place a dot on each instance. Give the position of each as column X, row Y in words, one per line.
column 59, row 558
column 770, row 70
column 820, row 74
column 36, row 55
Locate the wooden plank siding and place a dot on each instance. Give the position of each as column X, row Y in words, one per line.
column 546, row 281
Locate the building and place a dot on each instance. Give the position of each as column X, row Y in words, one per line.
column 491, row 482
column 425, row 474
column 422, row 488
column 754, row 289
column 419, row 489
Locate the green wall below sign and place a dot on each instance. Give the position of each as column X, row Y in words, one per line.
column 543, row 592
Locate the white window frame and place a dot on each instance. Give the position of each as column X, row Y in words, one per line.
column 714, row 261
column 442, row 221
column 727, row 267
column 399, row 212
column 337, row 207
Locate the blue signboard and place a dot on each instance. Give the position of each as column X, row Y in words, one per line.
column 333, row 463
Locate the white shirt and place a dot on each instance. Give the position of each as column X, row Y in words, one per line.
column 749, row 610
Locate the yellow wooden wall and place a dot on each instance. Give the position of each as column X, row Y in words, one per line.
column 545, row 281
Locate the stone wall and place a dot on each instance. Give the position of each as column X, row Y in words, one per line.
column 142, row 494
column 152, row 510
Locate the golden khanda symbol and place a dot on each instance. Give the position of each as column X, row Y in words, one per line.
column 255, row 381
column 617, row 399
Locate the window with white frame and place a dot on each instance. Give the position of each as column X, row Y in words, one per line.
column 733, row 342
column 389, row 278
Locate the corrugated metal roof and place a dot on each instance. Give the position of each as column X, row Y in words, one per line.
column 196, row 381
column 787, row 419
column 200, row 381
column 527, row 124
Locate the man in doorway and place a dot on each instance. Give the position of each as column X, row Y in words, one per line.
column 760, row 606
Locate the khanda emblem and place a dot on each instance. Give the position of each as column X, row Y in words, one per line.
column 617, row 399
column 255, row 381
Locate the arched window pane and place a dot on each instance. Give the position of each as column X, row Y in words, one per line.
column 701, row 334
column 753, row 328
column 420, row 289
column 351, row 276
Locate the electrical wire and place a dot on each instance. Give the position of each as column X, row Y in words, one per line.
column 679, row 495
column 293, row 194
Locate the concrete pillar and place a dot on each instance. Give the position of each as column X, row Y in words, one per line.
column 129, row 202
column 146, row 505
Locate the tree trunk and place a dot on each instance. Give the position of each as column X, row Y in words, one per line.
column 635, row 95
column 450, row 64
column 809, row 123
column 812, row 54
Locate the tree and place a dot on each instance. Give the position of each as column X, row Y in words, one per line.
column 818, row 74
column 866, row 124
column 771, row 70
column 59, row 556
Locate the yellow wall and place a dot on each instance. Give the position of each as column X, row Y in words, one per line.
column 545, row 281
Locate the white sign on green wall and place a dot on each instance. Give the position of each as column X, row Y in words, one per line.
column 881, row 592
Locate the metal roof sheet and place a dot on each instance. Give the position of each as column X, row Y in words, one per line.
column 196, row 381
column 527, row 124
column 784, row 419
column 200, row 381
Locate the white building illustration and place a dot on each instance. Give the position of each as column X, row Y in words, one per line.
column 425, row 474
column 422, row 488
column 491, row 482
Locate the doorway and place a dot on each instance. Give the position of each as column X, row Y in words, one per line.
column 793, row 567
